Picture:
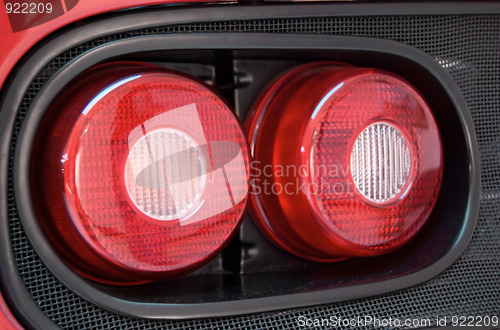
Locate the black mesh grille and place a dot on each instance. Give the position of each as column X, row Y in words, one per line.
column 470, row 287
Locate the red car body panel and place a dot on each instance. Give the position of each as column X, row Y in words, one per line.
column 7, row 320
column 16, row 44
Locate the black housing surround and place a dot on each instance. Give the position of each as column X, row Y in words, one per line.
column 253, row 276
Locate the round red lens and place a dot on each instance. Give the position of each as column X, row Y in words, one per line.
column 347, row 161
column 145, row 173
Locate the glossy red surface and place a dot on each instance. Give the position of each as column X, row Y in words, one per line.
column 16, row 44
column 7, row 320
column 302, row 131
column 145, row 173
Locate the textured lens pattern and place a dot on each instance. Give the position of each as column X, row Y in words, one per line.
column 155, row 172
column 166, row 174
column 350, row 203
column 380, row 163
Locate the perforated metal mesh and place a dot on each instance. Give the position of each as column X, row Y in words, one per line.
column 466, row 46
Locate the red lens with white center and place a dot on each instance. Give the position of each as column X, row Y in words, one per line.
column 144, row 175
column 348, row 161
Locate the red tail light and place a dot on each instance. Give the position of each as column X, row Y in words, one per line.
column 347, row 161
column 145, row 173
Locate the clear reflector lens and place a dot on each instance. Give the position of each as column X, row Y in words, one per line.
column 381, row 163
column 166, row 174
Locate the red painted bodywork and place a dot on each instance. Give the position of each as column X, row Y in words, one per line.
column 16, row 44
column 7, row 320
